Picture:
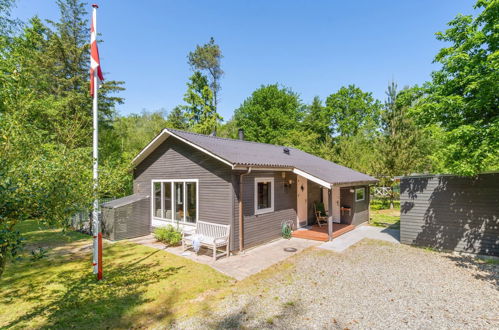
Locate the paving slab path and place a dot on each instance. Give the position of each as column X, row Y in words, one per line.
column 343, row 242
column 243, row 264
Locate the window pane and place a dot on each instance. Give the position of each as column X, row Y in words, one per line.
column 167, row 192
column 263, row 197
column 179, row 201
column 359, row 194
column 191, row 202
column 157, row 199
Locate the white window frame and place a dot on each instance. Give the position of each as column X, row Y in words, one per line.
column 268, row 209
column 172, row 182
column 363, row 195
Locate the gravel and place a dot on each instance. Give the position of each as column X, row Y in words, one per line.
column 372, row 285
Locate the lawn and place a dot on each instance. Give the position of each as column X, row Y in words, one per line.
column 386, row 218
column 142, row 287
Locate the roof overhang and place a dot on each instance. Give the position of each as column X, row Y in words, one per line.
column 355, row 183
column 161, row 137
column 312, row 178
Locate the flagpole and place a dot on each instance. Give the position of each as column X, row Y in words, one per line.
column 97, row 268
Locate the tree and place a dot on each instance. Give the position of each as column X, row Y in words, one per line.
column 269, row 114
column 404, row 145
column 208, row 58
column 463, row 96
column 351, row 110
column 317, row 120
column 200, row 110
column 177, row 119
column 45, row 124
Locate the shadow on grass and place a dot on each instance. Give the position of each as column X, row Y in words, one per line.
column 81, row 302
column 488, row 272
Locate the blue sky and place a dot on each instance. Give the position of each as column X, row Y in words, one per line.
column 313, row 47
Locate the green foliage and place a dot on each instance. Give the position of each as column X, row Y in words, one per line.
column 45, row 123
column 269, row 114
column 200, row 110
column 177, row 119
column 317, row 120
column 207, row 58
column 38, row 254
column 168, row 235
column 286, row 231
column 463, row 97
column 350, row 111
column 404, row 146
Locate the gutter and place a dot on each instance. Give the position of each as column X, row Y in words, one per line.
column 241, row 217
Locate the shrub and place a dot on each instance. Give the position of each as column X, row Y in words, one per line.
column 286, row 230
column 168, row 235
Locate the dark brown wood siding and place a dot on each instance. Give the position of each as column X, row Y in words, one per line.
column 174, row 159
column 265, row 227
column 451, row 213
column 127, row 221
column 360, row 209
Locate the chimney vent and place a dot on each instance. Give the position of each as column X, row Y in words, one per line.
column 240, row 134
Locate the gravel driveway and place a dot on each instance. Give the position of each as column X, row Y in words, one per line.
column 371, row 285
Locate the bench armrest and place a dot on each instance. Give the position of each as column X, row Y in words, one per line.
column 187, row 232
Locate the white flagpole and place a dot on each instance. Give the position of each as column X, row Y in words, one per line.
column 95, row 215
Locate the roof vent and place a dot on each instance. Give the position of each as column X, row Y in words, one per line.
column 286, row 150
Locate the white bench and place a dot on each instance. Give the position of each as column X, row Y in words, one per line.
column 211, row 235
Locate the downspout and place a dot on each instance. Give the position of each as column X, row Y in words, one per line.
column 241, row 219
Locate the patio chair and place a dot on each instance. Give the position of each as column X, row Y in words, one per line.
column 320, row 213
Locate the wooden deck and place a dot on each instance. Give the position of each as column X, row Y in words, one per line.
column 317, row 233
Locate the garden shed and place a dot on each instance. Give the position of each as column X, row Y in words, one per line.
column 449, row 212
column 126, row 217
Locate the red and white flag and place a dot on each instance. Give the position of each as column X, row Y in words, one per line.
column 94, row 56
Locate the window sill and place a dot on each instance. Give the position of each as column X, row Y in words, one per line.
column 174, row 222
column 264, row 211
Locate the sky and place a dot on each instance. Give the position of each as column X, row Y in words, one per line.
column 312, row 47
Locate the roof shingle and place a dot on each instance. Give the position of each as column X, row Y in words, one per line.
column 247, row 153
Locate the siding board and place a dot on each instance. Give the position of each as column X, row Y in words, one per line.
column 174, row 159
column 451, row 213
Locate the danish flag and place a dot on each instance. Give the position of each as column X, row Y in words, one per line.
column 94, row 56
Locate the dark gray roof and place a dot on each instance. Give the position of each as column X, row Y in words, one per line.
column 247, row 153
column 124, row 201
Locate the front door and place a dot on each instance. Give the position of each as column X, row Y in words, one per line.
column 301, row 200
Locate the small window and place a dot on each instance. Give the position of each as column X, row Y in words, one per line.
column 360, row 194
column 264, row 195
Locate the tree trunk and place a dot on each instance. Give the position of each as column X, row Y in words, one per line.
column 3, row 261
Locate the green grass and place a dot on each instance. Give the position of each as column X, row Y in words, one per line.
column 382, row 204
column 491, row 261
column 386, row 218
column 142, row 287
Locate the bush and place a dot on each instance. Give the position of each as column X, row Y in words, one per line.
column 168, row 235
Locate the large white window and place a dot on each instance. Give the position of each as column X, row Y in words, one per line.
column 264, row 195
column 175, row 200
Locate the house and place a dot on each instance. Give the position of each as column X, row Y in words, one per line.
column 254, row 187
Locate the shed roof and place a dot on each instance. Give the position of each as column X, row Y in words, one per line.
column 246, row 153
column 115, row 203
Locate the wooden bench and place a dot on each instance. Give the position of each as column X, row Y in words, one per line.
column 211, row 235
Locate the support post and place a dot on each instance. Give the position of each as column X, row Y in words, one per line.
column 99, row 258
column 97, row 246
column 330, row 214
column 241, row 214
